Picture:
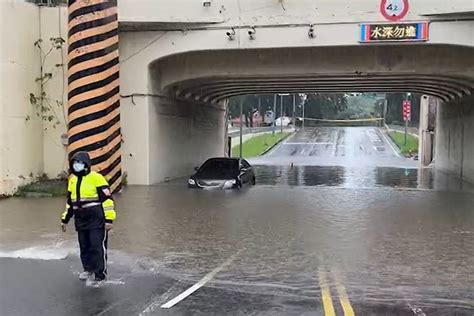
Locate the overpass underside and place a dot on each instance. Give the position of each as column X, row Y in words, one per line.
column 441, row 71
column 187, row 93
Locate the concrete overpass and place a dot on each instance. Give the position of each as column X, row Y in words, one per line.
column 180, row 66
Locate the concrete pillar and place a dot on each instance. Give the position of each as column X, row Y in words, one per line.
column 93, row 95
column 425, row 143
column 428, row 109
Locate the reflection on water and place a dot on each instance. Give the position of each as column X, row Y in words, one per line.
column 346, row 177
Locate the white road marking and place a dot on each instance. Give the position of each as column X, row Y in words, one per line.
column 336, row 136
column 158, row 300
column 199, row 284
column 390, row 144
column 303, row 143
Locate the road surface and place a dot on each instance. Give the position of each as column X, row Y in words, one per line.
column 307, row 240
column 336, row 146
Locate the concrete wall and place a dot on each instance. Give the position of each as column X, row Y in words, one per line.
column 53, row 24
column 454, row 139
column 182, row 135
column 26, row 148
column 254, row 12
column 163, row 138
column 134, row 112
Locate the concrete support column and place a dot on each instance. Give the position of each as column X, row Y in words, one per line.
column 425, row 143
column 93, row 94
column 428, row 109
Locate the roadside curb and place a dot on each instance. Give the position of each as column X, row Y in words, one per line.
column 396, row 145
column 400, row 131
column 276, row 144
column 391, row 142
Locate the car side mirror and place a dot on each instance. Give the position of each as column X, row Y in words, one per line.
column 243, row 170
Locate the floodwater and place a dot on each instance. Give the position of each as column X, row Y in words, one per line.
column 394, row 239
column 358, row 147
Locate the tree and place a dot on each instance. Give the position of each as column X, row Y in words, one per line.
column 395, row 111
column 325, row 106
column 249, row 106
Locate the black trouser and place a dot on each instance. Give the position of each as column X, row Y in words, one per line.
column 93, row 245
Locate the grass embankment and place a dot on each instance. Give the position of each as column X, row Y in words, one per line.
column 43, row 188
column 399, row 138
column 258, row 145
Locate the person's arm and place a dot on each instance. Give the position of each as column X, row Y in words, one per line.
column 105, row 197
column 68, row 212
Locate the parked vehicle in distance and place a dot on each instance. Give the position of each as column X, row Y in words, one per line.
column 223, row 173
column 268, row 118
column 285, row 121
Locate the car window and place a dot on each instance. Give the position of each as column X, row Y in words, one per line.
column 245, row 164
column 218, row 169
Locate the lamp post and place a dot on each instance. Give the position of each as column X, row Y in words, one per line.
column 406, row 120
column 294, row 110
column 281, row 110
column 274, row 113
column 304, row 102
column 241, row 126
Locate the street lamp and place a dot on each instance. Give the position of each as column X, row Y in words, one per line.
column 406, row 120
column 241, row 127
column 294, row 111
column 281, row 110
column 304, row 97
column 274, row 114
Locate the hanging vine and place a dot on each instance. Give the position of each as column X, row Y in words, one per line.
column 45, row 106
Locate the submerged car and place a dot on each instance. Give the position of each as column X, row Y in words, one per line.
column 223, row 173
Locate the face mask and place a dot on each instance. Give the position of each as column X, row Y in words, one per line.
column 78, row 166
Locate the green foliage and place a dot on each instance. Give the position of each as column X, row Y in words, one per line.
column 125, row 179
column 325, row 106
column 395, row 111
column 45, row 107
column 43, row 188
column 411, row 148
column 258, row 145
column 363, row 106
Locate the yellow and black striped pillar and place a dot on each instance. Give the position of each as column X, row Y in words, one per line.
column 93, row 86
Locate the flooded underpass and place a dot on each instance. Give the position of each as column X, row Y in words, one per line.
column 306, row 240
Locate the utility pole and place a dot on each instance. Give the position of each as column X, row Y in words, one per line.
column 294, row 110
column 304, row 102
column 281, row 114
column 281, row 110
column 260, row 111
column 274, row 113
column 241, row 125
column 407, row 118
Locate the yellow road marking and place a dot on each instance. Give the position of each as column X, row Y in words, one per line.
column 344, row 299
column 326, row 295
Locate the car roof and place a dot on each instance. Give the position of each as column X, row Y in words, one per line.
column 223, row 158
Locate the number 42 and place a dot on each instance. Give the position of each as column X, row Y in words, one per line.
column 392, row 7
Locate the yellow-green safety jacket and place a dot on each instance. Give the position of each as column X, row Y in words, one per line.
column 89, row 201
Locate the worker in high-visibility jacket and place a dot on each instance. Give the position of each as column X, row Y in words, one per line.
column 90, row 202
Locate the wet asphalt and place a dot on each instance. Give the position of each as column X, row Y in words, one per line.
column 307, row 240
column 342, row 146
